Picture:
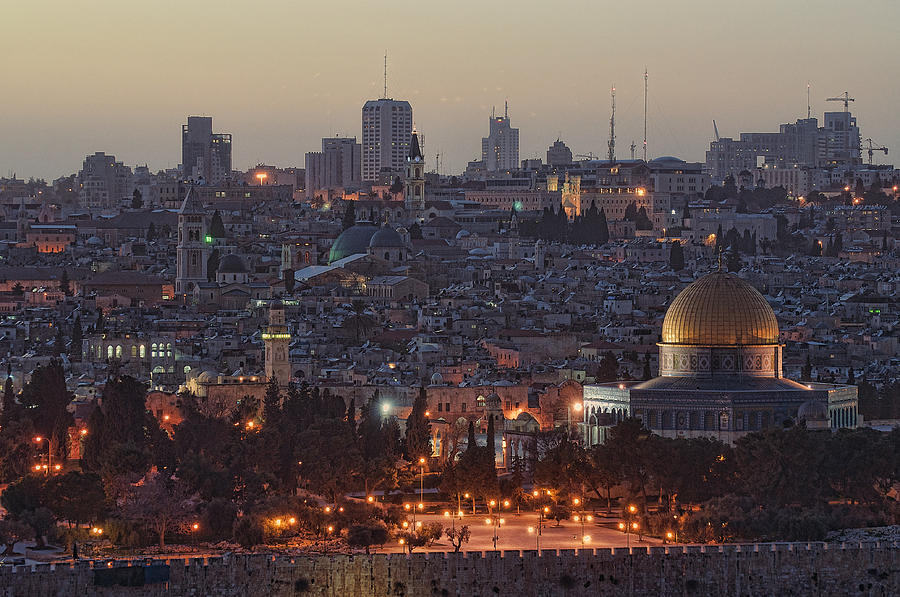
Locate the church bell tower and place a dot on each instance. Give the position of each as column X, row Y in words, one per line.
column 414, row 184
column 193, row 248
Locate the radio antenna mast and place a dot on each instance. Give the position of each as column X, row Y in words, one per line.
column 645, row 114
column 612, row 128
column 385, row 75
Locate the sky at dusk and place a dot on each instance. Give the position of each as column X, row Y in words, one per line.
column 122, row 77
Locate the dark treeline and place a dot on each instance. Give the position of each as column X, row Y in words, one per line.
column 784, row 484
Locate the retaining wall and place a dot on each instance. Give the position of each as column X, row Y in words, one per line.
column 753, row 569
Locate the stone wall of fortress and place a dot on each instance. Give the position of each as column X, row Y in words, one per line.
column 762, row 569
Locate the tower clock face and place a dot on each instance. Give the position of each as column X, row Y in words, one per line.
column 418, row 159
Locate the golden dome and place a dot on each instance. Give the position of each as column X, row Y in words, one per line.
column 720, row 309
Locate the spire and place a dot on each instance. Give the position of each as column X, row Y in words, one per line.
column 191, row 204
column 414, row 150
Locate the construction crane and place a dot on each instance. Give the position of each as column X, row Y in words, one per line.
column 846, row 99
column 873, row 147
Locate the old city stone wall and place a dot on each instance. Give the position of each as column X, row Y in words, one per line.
column 765, row 569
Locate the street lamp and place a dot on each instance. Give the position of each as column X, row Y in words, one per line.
column 261, row 176
column 421, row 482
column 577, row 407
column 49, row 440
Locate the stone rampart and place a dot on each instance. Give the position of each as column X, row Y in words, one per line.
column 752, row 569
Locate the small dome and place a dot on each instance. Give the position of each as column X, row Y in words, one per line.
column 813, row 410
column 462, row 234
column 232, row 264
column 386, row 237
column 720, row 309
column 437, row 379
column 351, row 241
column 667, row 158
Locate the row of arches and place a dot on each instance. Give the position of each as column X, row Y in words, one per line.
column 116, row 351
column 846, row 416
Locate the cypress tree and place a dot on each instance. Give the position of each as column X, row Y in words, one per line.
column 490, row 447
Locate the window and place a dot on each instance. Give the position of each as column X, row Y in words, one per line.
column 463, row 407
column 447, row 408
column 143, row 351
column 109, row 351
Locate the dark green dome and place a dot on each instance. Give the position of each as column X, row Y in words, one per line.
column 386, row 237
column 351, row 241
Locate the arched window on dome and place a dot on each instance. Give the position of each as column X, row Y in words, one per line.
column 119, row 351
column 143, row 351
column 153, row 350
column 110, row 351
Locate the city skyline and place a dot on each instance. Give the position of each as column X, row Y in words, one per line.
column 557, row 84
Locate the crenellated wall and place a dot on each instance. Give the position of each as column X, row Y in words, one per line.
column 754, row 569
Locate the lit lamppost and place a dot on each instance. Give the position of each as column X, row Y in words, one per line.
column 422, row 483
column 49, row 440
column 580, row 517
column 261, row 176
column 577, row 407
column 194, row 528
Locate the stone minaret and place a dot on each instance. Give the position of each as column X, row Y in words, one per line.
column 277, row 339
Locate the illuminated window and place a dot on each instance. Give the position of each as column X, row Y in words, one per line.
column 143, row 351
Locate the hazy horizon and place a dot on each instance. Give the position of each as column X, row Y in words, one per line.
column 279, row 75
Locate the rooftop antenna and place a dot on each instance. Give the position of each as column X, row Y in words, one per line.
column 506, row 109
column 645, row 113
column 632, row 150
column 385, row 75
column 808, row 108
column 612, row 128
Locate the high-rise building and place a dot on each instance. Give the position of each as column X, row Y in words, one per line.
column 103, row 181
column 192, row 251
column 414, row 183
column 559, row 154
column 386, row 129
column 841, row 140
column 800, row 144
column 500, row 149
column 338, row 165
column 205, row 155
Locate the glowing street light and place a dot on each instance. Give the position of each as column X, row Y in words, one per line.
column 261, row 176
column 38, row 439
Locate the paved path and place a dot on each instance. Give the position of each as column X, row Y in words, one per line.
column 520, row 532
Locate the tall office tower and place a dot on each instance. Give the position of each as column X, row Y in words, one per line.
column 204, row 154
column 386, row 128
column 842, row 140
column 414, row 183
column 104, row 182
column 338, row 165
column 500, row 149
column 559, row 154
column 192, row 251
